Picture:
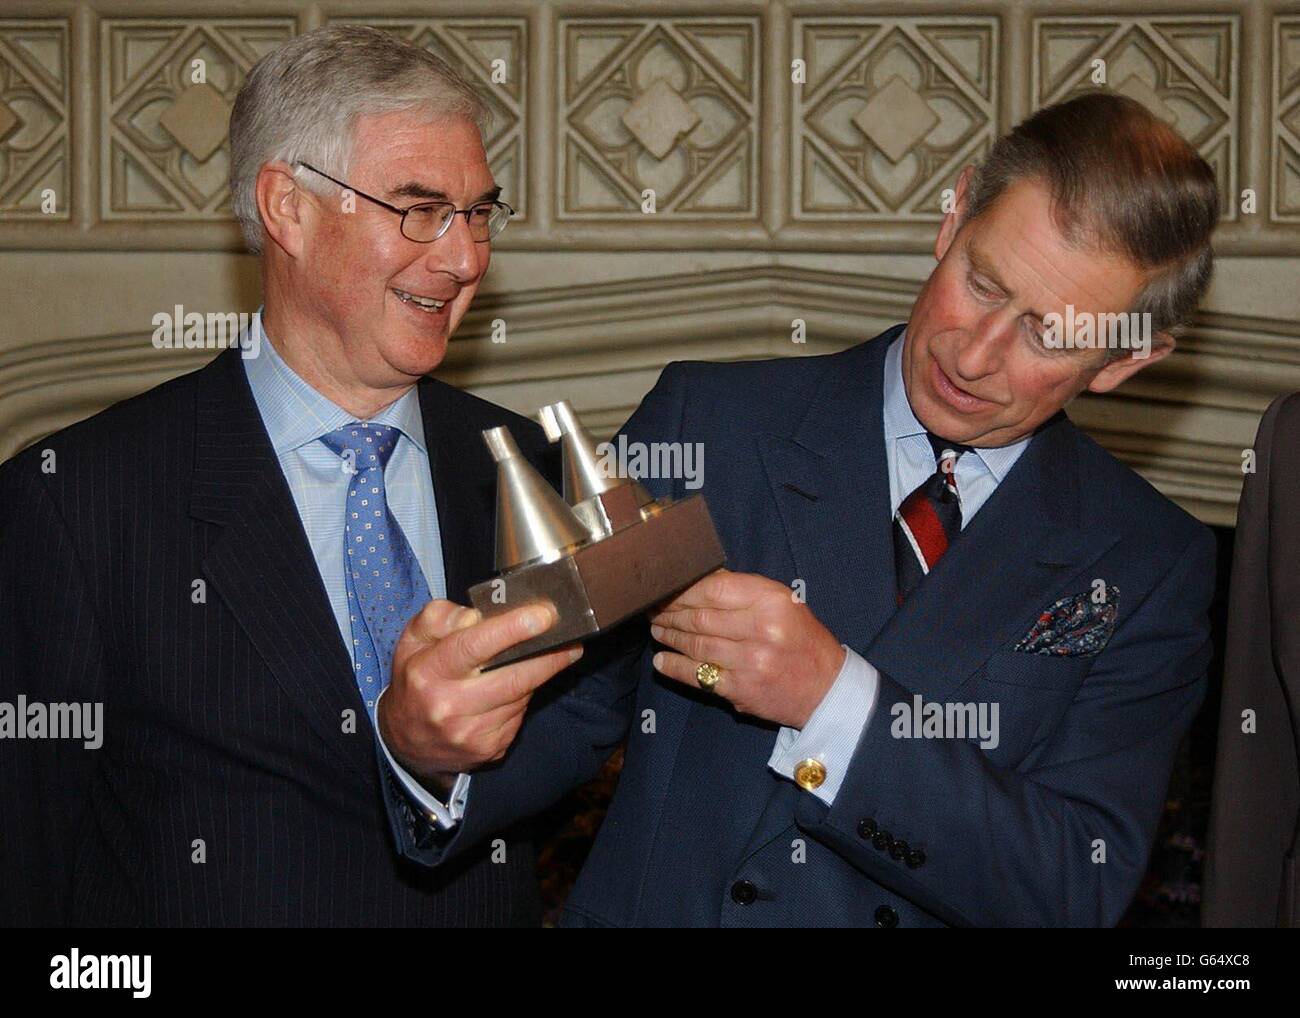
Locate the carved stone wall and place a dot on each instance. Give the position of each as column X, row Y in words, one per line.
column 690, row 177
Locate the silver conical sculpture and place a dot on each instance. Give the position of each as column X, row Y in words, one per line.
column 600, row 500
column 612, row 553
column 585, row 475
column 533, row 522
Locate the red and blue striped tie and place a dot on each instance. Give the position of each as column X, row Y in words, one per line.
column 929, row 519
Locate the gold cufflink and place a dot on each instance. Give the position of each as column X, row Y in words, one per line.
column 810, row 774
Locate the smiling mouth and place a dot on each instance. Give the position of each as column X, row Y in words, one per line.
column 429, row 304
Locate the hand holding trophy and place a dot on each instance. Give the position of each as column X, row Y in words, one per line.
column 604, row 552
column 569, row 568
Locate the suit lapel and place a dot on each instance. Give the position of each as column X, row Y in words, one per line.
column 262, row 566
column 1025, row 541
column 464, row 488
column 831, row 487
column 832, row 494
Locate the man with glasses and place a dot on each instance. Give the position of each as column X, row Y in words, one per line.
column 227, row 562
column 425, row 222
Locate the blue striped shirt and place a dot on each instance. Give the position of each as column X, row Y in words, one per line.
column 296, row 416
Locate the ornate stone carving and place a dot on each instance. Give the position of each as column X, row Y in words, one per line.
column 668, row 105
column 34, row 99
column 888, row 111
column 195, row 120
column 167, row 85
column 1285, row 176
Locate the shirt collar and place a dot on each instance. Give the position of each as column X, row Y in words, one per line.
column 901, row 422
column 296, row 414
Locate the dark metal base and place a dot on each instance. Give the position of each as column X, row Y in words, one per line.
column 602, row 583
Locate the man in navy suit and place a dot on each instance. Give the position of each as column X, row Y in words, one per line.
column 946, row 673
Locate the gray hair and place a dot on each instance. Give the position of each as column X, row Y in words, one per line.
column 302, row 101
column 1122, row 181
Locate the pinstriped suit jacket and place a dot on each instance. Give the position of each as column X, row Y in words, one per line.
column 228, row 790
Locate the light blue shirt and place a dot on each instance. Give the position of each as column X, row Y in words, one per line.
column 832, row 732
column 296, row 416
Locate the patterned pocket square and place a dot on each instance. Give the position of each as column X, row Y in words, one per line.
column 1075, row 626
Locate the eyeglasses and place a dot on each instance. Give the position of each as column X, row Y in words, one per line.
column 426, row 222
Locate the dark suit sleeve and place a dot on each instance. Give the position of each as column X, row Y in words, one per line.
column 1013, row 847
column 570, row 731
column 575, row 722
column 416, row 834
column 1255, row 799
column 51, row 651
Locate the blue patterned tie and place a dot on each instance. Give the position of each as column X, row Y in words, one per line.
column 385, row 584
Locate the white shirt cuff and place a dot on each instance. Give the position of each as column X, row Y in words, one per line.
column 832, row 733
column 445, row 816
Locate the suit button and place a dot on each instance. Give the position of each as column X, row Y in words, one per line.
column 915, row 859
column 881, row 840
column 886, row 917
column 898, row 849
column 743, row 892
column 810, row 774
column 867, row 828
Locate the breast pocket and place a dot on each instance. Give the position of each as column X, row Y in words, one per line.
column 1026, row 696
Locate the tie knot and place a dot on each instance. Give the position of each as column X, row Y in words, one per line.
column 370, row 445
column 942, row 446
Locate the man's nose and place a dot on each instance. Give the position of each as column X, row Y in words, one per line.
column 455, row 252
column 984, row 346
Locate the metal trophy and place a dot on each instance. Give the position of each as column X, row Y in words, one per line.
column 604, row 552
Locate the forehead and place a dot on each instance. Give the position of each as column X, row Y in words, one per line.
column 1017, row 240
column 445, row 152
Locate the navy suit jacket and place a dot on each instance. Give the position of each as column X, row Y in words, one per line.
column 1053, row 827
column 224, row 719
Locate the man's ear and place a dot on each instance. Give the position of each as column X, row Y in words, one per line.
column 1122, row 368
column 280, row 206
column 952, row 220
